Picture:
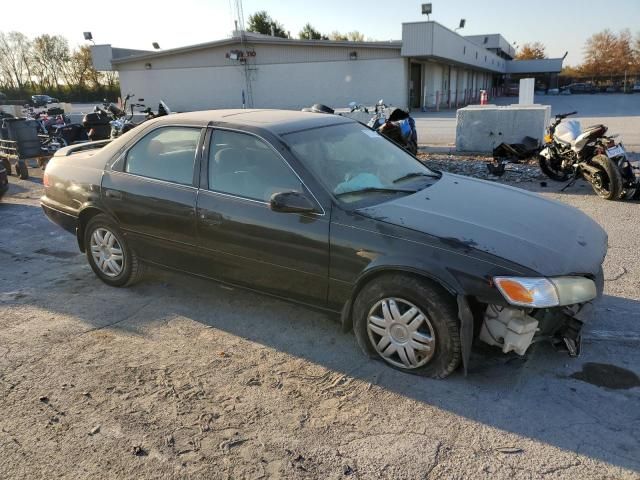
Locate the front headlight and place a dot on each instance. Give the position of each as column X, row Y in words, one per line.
column 542, row 292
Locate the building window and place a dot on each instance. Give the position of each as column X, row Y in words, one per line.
column 476, row 55
column 464, row 50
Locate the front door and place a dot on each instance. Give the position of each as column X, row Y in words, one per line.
column 243, row 240
column 152, row 195
column 416, row 85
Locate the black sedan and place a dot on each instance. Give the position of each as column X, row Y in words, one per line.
column 321, row 210
column 42, row 100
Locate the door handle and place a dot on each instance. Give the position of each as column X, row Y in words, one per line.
column 114, row 194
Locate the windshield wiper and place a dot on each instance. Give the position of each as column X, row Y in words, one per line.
column 378, row 190
column 415, row 174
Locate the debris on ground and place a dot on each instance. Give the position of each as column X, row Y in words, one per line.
column 509, row 450
column 138, row 451
column 95, row 430
column 476, row 166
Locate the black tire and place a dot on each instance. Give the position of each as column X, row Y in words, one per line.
column 548, row 168
column 435, row 303
column 7, row 165
column 132, row 268
column 22, row 170
column 609, row 183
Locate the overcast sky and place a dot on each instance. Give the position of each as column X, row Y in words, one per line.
column 562, row 25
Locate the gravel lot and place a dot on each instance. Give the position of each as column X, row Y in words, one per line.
column 180, row 378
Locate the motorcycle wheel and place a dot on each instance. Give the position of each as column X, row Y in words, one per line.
column 552, row 170
column 607, row 183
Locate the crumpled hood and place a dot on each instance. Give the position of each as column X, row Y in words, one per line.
column 543, row 235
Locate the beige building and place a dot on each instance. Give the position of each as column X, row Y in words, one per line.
column 431, row 65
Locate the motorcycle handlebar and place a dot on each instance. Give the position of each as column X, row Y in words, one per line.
column 565, row 115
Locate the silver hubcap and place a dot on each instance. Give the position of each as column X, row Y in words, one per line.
column 401, row 333
column 107, row 252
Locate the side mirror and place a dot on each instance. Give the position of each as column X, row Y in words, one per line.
column 291, row 202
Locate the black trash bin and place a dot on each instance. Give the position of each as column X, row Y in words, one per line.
column 25, row 133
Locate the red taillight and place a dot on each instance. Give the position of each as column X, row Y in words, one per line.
column 45, row 179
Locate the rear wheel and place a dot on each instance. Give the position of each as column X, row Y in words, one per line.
column 607, row 182
column 552, row 168
column 409, row 323
column 109, row 254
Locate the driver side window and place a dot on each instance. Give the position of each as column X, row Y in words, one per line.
column 243, row 165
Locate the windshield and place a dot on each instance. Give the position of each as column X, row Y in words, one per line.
column 356, row 164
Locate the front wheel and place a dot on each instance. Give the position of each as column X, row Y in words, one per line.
column 552, row 168
column 109, row 254
column 607, row 181
column 409, row 323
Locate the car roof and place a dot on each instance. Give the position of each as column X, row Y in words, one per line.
column 276, row 121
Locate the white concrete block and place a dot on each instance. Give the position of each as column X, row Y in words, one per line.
column 527, row 87
column 481, row 128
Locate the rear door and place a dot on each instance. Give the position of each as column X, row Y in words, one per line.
column 152, row 195
column 242, row 239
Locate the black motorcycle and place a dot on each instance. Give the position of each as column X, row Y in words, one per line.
column 571, row 153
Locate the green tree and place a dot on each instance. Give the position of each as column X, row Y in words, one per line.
column 309, row 33
column 532, row 51
column 261, row 22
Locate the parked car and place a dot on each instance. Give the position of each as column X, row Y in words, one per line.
column 42, row 100
column 324, row 211
column 581, row 88
column 636, row 87
column 553, row 91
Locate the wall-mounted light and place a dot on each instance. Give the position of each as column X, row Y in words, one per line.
column 353, row 56
column 147, row 66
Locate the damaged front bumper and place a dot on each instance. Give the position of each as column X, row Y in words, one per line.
column 515, row 329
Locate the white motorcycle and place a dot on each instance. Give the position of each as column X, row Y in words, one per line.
column 572, row 153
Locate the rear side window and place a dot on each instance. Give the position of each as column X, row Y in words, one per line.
column 165, row 154
column 243, row 165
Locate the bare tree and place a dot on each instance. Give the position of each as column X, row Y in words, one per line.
column 355, row 36
column 337, row 36
column 14, row 59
